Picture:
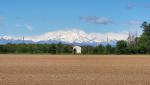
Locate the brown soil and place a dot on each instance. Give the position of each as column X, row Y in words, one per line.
column 74, row 70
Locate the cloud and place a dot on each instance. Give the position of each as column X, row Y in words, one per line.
column 18, row 25
column 29, row 27
column 1, row 20
column 96, row 20
column 135, row 22
column 147, row 6
column 130, row 6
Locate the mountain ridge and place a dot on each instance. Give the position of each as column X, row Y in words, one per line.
column 67, row 36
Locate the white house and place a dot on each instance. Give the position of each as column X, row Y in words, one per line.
column 76, row 50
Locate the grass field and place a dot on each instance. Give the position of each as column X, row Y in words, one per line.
column 74, row 70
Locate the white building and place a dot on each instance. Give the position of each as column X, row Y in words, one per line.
column 76, row 50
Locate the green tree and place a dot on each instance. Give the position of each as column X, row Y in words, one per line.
column 144, row 40
column 109, row 49
column 99, row 49
column 121, row 47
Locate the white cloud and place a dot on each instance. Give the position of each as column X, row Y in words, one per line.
column 96, row 20
column 135, row 22
column 29, row 27
column 1, row 20
column 18, row 25
column 130, row 6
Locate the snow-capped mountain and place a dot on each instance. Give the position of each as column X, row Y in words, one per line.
column 67, row 36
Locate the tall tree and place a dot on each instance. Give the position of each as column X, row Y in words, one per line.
column 144, row 40
column 121, row 47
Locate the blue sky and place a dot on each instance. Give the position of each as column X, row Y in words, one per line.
column 34, row 17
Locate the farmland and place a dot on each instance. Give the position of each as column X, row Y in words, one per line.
column 74, row 70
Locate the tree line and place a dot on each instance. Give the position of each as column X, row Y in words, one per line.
column 36, row 48
column 53, row 49
column 138, row 45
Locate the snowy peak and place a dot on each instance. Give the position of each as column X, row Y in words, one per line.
column 73, row 36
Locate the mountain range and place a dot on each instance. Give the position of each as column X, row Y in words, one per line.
column 77, row 37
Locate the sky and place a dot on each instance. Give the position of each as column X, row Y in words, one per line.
column 35, row 17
